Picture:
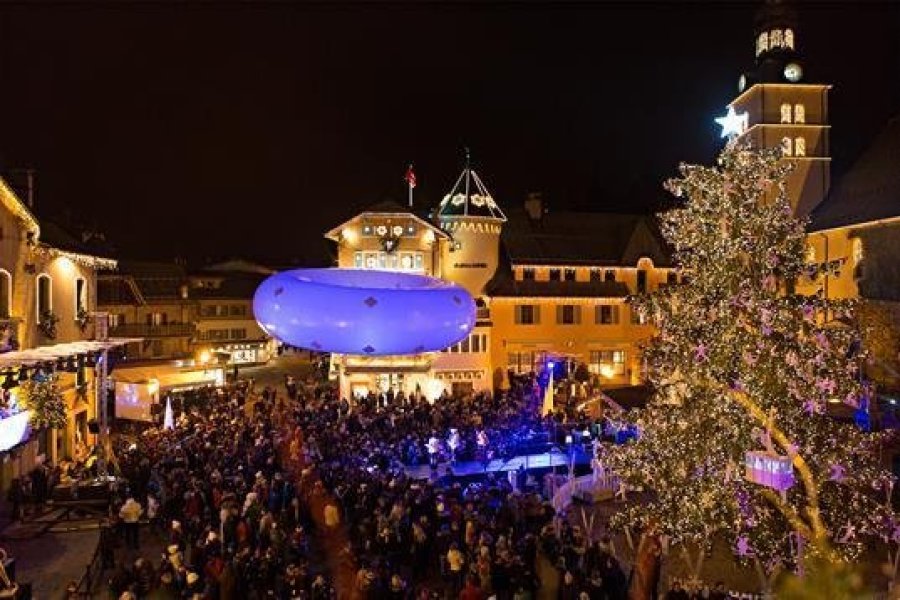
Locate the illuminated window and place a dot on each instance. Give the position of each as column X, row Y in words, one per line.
column 786, row 146
column 785, row 113
column 406, row 261
column 810, row 253
column 358, row 260
column 607, row 362
column 799, row 113
column 799, row 146
column 858, row 252
column 44, row 295
column 419, row 261
column 637, row 318
column 775, row 38
column 762, row 43
column 789, row 38
column 80, row 295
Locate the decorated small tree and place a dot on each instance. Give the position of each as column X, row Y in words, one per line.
column 44, row 399
column 736, row 441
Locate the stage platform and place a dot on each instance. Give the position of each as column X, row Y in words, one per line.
column 554, row 459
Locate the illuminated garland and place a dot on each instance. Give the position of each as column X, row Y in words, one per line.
column 737, row 328
column 85, row 260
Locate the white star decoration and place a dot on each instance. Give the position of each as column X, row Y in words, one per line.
column 732, row 123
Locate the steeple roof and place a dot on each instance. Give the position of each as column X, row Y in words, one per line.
column 469, row 198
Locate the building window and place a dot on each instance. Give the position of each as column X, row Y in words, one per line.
column 5, row 293
column 671, row 278
column 156, row 348
column 789, row 38
column 570, row 274
column 520, row 362
column 596, row 275
column 762, row 43
column 555, row 274
column 80, row 299
column 527, row 314
column 775, row 39
column 799, row 146
column 799, row 113
column 858, row 252
column 238, row 334
column 606, row 314
column 358, row 260
column 608, row 363
column 475, row 344
column 44, row 295
column 464, row 346
column 484, row 346
column 157, row 319
column 115, row 320
column 610, row 275
column 641, row 281
column 637, row 318
column 528, row 274
column 568, row 314
column 786, row 146
column 237, row 310
column 810, row 254
column 785, row 113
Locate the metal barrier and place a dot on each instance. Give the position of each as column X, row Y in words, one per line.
column 83, row 588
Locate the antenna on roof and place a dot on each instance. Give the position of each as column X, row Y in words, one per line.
column 467, row 171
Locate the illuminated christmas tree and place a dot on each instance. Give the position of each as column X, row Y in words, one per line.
column 736, row 441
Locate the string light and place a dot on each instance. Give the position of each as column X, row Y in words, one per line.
column 738, row 356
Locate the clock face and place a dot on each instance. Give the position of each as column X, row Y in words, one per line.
column 793, row 72
column 742, row 83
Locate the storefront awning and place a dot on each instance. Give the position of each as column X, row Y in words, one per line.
column 42, row 354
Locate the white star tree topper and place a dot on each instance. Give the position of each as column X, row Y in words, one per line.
column 733, row 124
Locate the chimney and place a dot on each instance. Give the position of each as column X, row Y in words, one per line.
column 534, row 205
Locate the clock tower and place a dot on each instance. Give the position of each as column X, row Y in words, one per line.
column 782, row 110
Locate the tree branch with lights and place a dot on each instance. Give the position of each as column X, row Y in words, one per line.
column 744, row 370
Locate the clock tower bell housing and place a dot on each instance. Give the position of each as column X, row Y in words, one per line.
column 783, row 110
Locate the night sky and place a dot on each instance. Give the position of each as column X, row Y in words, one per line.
column 215, row 131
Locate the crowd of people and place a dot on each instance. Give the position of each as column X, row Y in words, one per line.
column 293, row 494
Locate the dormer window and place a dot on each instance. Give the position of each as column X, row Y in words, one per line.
column 799, row 146
column 775, row 39
column 799, row 113
column 762, row 43
column 785, row 113
column 789, row 38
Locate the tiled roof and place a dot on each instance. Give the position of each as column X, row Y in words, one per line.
column 114, row 289
column 870, row 190
column 503, row 285
column 584, row 238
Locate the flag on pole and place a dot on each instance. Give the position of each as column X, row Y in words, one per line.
column 410, row 177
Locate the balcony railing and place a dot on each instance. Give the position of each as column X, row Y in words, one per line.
column 150, row 331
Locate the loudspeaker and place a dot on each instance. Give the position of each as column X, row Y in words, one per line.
column 94, row 426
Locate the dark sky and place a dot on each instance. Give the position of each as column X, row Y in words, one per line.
column 227, row 130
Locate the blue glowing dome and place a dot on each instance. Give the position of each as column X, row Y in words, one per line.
column 353, row 311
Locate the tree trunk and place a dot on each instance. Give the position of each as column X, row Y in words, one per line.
column 647, row 565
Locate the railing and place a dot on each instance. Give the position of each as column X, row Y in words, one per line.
column 145, row 330
column 84, row 587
